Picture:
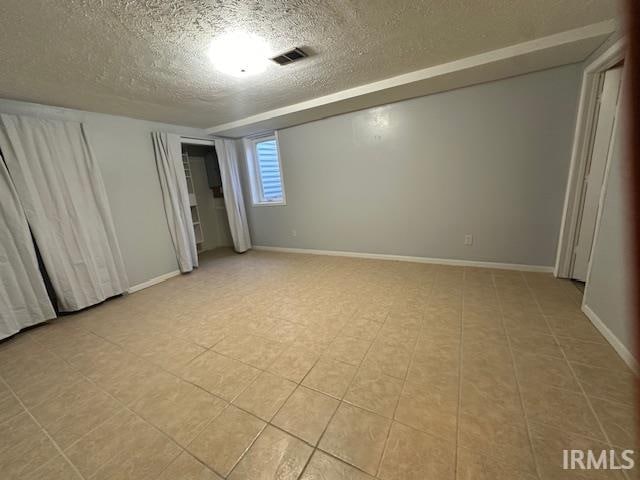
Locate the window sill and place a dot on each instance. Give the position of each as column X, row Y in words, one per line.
column 270, row 204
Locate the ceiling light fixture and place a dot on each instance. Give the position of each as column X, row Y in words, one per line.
column 239, row 54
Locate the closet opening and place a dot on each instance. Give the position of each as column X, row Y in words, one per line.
column 206, row 197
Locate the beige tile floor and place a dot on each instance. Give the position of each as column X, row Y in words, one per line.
column 265, row 366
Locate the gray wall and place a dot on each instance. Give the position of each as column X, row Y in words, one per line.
column 608, row 293
column 124, row 151
column 412, row 178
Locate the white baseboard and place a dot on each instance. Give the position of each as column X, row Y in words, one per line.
column 404, row 258
column 153, row 281
column 615, row 342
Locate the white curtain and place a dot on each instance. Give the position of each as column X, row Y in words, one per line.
column 23, row 296
column 175, row 197
column 59, row 184
column 232, row 189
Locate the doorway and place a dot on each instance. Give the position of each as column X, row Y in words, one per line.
column 599, row 96
column 208, row 211
column 606, row 109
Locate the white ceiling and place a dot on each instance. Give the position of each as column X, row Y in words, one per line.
column 148, row 58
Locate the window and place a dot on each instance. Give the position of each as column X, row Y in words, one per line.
column 265, row 171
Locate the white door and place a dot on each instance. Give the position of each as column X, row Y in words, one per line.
column 595, row 172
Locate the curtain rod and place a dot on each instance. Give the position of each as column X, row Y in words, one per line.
column 212, row 137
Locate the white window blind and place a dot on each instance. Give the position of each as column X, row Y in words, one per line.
column 265, row 170
column 269, row 169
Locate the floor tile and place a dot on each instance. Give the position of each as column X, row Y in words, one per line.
column 534, row 369
column 79, row 349
column 421, row 376
column 251, row 349
column 474, row 465
column 357, row 437
column 186, row 467
column 75, row 412
column 437, row 353
column 294, row 363
column 430, row 409
column 413, row 455
column 619, row 421
column 343, row 328
column 348, row 350
column 55, row 469
column 505, row 442
column 45, row 378
column 404, row 337
column 124, row 446
column 201, row 332
column 372, row 312
column 4, row 391
column 362, row 328
column 562, row 409
column 575, row 326
column 285, row 332
column 275, row 454
column 162, row 349
column 595, row 354
column 265, row 395
column 306, row 414
column 17, row 429
column 225, row 440
column 330, row 377
column 549, row 444
column 492, row 378
column 324, row 467
column 374, row 391
column 9, row 407
column 392, row 360
column 24, row 447
column 220, row 375
column 531, row 341
column 103, row 357
column 179, row 409
column 128, row 378
column 525, row 322
column 614, row 385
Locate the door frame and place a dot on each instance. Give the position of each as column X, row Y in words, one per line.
column 584, row 130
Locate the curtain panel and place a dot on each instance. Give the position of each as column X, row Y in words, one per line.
column 60, row 188
column 23, row 296
column 175, row 198
column 233, row 198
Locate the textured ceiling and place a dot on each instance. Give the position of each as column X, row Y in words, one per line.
column 148, row 58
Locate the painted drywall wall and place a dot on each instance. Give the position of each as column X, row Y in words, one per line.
column 124, row 152
column 607, row 293
column 412, row 178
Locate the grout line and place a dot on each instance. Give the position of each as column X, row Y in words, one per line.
column 228, row 404
column 126, row 407
column 460, row 360
column 404, row 381
column 396, row 292
column 298, row 385
column 515, row 374
column 44, row 430
column 341, row 400
column 566, row 359
column 118, row 401
column 267, row 423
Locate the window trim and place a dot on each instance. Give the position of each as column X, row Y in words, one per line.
column 255, row 180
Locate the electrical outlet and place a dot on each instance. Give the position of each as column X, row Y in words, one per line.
column 468, row 239
column 294, row 233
